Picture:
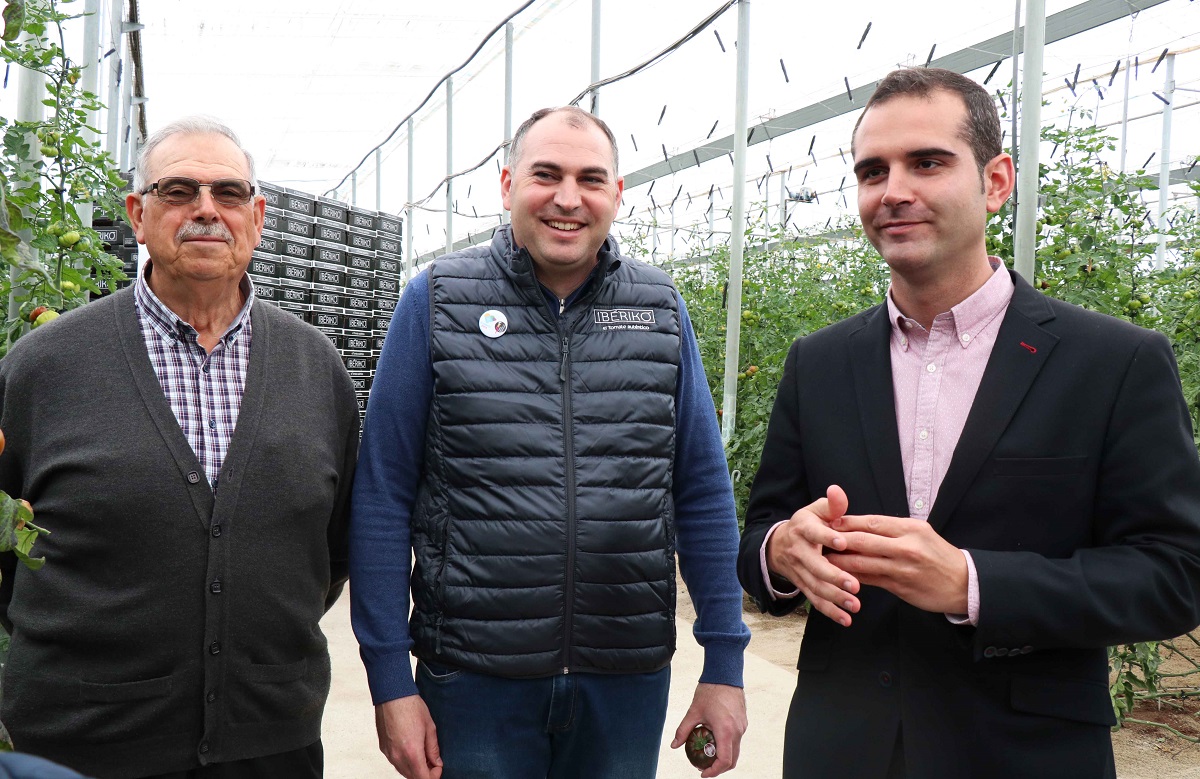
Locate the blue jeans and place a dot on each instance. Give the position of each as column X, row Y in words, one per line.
column 569, row 726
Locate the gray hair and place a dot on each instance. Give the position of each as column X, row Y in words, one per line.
column 189, row 125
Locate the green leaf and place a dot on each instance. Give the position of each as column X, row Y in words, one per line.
column 14, row 20
column 10, row 516
column 25, row 539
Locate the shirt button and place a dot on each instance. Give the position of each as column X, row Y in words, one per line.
column 205, row 368
column 908, row 325
column 924, row 434
column 212, row 424
column 904, row 342
column 920, row 503
column 216, row 531
column 989, row 651
column 966, row 337
column 214, row 648
column 885, row 679
column 193, row 477
column 931, row 367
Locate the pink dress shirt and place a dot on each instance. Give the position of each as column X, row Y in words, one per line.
column 935, row 375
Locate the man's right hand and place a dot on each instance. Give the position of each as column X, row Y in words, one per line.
column 408, row 737
column 796, row 548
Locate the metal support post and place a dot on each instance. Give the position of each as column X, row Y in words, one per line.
column 782, row 205
column 89, row 82
column 354, row 187
column 1164, row 170
column 126, row 139
column 408, row 209
column 712, row 224
column 379, row 179
column 1014, row 135
column 115, row 72
column 31, row 90
column 1125, row 116
column 1031, row 120
column 737, row 229
column 508, row 99
column 449, row 164
column 671, row 256
column 595, row 56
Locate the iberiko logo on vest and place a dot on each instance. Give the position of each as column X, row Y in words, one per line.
column 624, row 318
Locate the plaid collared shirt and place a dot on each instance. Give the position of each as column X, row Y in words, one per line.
column 204, row 389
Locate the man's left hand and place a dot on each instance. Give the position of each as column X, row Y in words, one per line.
column 722, row 709
column 907, row 558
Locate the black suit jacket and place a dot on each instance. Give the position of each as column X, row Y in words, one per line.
column 1076, row 488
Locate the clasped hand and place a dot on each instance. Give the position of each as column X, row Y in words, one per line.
column 829, row 555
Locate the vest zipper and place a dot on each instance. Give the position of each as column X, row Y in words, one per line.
column 569, row 457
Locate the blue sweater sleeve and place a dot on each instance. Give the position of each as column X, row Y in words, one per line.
column 385, row 490
column 706, row 520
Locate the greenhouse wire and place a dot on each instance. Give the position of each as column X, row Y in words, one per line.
column 432, row 92
column 604, row 82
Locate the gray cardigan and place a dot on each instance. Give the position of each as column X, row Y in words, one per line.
column 170, row 627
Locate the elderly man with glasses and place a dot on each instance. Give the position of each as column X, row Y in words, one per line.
column 192, row 452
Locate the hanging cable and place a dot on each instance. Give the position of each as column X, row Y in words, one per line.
column 432, row 92
column 699, row 28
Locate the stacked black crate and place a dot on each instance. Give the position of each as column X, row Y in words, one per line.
column 361, row 243
column 282, row 279
column 389, row 267
column 120, row 241
column 336, row 266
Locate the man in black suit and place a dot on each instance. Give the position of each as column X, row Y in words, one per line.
column 1023, row 479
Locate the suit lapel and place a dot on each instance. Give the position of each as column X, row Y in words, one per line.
column 1021, row 350
column 871, row 363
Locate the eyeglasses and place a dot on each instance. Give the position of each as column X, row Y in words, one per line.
column 179, row 191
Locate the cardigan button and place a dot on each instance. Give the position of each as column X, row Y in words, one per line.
column 214, row 648
column 215, row 587
column 216, row 531
column 203, row 747
column 885, row 679
column 193, row 477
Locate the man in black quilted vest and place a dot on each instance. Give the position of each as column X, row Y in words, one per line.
column 541, row 438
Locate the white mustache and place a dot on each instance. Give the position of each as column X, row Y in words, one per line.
column 202, row 230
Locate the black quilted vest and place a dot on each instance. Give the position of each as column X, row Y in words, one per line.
column 544, row 530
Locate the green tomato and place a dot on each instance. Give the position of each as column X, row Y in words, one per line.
column 49, row 151
column 69, row 239
column 56, row 229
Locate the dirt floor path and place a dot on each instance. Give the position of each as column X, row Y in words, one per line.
column 1141, row 752
column 349, row 728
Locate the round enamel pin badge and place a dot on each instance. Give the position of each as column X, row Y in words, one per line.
column 493, row 323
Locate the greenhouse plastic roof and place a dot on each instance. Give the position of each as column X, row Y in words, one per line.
column 313, row 87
